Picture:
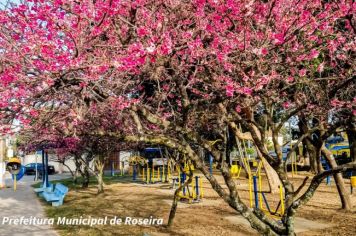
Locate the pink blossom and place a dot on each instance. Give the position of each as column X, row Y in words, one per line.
column 320, row 67
column 290, row 79
column 238, row 108
column 286, row 105
column 313, row 54
column 142, row 31
column 247, row 91
column 264, row 51
column 229, row 90
column 82, row 84
column 302, row 72
column 278, row 38
column 34, row 113
column 336, row 103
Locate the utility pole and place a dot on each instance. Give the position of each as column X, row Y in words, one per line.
column 2, row 162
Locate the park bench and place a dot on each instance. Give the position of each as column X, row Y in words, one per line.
column 39, row 191
column 57, row 196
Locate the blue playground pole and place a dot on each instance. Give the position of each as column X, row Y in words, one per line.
column 150, row 165
column 328, row 178
column 255, row 190
column 112, row 168
column 161, row 174
column 134, row 172
column 182, row 181
column 210, row 163
column 43, row 169
column 197, row 186
column 46, row 170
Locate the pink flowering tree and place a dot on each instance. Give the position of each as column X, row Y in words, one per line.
column 182, row 74
column 69, row 133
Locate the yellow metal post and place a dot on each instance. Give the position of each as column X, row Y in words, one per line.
column 259, row 189
column 178, row 175
column 296, row 165
column 169, row 172
column 158, row 173
column 249, row 180
column 292, row 166
column 250, row 190
column 239, row 172
column 201, row 188
column 282, row 199
column 164, row 176
column 148, row 174
column 192, row 193
column 15, row 183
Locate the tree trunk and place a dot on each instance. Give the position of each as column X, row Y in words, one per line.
column 310, row 148
column 318, row 161
column 99, row 163
column 351, row 135
column 312, row 156
column 176, row 199
column 86, row 177
column 100, row 182
column 343, row 194
column 86, row 171
column 70, row 170
column 271, row 174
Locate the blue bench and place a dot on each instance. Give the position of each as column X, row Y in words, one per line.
column 39, row 191
column 57, row 196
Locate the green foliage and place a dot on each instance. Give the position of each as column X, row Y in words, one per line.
column 250, row 151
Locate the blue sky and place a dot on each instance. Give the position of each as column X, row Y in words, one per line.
column 2, row 2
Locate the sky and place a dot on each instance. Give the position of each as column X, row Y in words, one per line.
column 3, row 2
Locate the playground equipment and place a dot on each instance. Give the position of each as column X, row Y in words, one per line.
column 153, row 174
column 152, row 166
column 294, row 163
column 339, row 149
column 192, row 192
column 235, row 170
column 16, row 170
column 148, row 172
column 327, row 167
column 211, row 157
column 135, row 162
column 353, row 183
column 122, row 168
column 257, row 196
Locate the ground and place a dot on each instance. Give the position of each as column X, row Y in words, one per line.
column 124, row 198
column 24, row 203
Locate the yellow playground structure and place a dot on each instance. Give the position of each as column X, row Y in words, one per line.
column 257, row 196
column 235, row 170
column 191, row 192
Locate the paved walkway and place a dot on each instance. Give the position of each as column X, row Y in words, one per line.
column 24, row 203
